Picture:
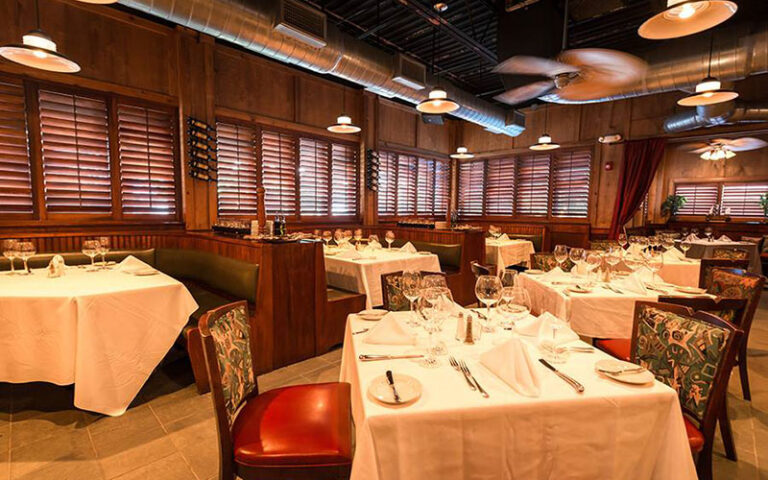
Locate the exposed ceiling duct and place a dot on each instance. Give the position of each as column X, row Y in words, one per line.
column 727, row 113
column 737, row 54
column 251, row 25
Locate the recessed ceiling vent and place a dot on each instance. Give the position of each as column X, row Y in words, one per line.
column 410, row 73
column 302, row 22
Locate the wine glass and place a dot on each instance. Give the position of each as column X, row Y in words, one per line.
column 488, row 291
column 389, row 237
column 561, row 255
column 655, row 262
column 433, row 311
column 358, row 235
column 577, row 256
column 643, row 242
column 508, row 277
column 348, row 236
column 103, row 249
column 11, row 251
column 557, row 354
column 695, row 232
column 685, row 245
column 410, row 283
column 708, row 233
column 654, row 241
column 668, row 242
column 623, row 240
column 434, row 281
column 593, row 260
column 26, row 250
column 91, row 249
column 633, row 262
column 327, row 237
column 517, row 303
column 612, row 258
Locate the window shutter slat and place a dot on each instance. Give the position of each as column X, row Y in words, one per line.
column 313, row 177
column 387, row 183
column 532, row 187
column 237, row 175
column 500, row 190
column 471, row 188
column 743, row 199
column 700, row 198
column 407, row 166
column 425, row 187
column 15, row 176
column 278, row 172
column 570, row 184
column 344, row 180
column 442, row 187
column 75, row 146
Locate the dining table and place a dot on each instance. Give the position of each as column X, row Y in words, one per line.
column 104, row 331
column 503, row 252
column 363, row 275
column 704, row 248
column 610, row 431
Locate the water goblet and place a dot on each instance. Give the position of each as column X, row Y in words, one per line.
column 327, row 237
column 358, row 235
column 91, row 249
column 517, row 304
column 561, row 255
column 26, row 250
column 389, row 237
column 622, row 239
column 11, row 252
column 577, row 256
column 593, row 261
column 488, row 292
column 103, row 250
column 411, row 286
column 612, row 258
column 433, row 313
column 708, row 232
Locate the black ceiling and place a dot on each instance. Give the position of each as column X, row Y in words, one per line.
column 467, row 38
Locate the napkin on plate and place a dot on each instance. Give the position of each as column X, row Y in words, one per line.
column 555, row 274
column 511, row 362
column 691, row 238
column 504, row 237
column 725, row 238
column 673, row 254
column 408, row 248
column 564, row 334
column 390, row 332
column 349, row 254
column 131, row 264
column 632, row 284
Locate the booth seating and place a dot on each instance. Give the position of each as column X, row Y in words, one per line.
column 536, row 240
column 339, row 304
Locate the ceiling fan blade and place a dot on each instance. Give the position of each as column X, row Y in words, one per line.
column 742, row 144
column 526, row 92
column 604, row 66
column 694, row 147
column 701, row 150
column 527, row 65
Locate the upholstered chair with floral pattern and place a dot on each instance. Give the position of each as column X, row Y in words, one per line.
column 300, row 431
column 546, row 262
column 693, row 353
column 707, row 264
column 392, row 291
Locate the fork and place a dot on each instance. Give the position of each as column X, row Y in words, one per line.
column 466, row 371
column 456, row 367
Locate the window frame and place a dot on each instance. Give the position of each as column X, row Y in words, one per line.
column 720, row 182
column 418, row 156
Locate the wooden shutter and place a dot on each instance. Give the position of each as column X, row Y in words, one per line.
column 278, row 172
column 471, row 188
column 406, row 184
column 15, row 177
column 75, row 146
column 442, row 187
column 743, row 199
column 425, row 187
column 237, row 175
column 532, row 187
column 343, row 180
column 387, row 183
column 500, row 187
column 700, row 197
column 314, row 169
column 570, row 184
column 147, row 160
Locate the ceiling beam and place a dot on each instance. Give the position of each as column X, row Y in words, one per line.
column 457, row 34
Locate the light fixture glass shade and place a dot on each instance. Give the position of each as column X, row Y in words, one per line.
column 343, row 125
column 38, row 50
column 437, row 103
column 544, row 143
column 708, row 92
column 462, row 153
column 718, row 152
column 686, row 17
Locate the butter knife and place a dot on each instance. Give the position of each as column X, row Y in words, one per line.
column 372, row 357
column 570, row 381
column 391, row 382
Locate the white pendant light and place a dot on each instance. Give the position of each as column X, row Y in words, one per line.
column 437, row 103
column 343, row 125
column 38, row 50
column 545, row 140
column 708, row 91
column 686, row 17
column 462, row 153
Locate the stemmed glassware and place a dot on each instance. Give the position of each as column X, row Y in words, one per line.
column 685, row 245
column 327, row 237
column 26, row 250
column 103, row 250
column 708, row 232
column 389, row 237
column 91, row 249
column 358, row 235
column 622, row 239
column 411, row 285
column 348, row 236
column 654, row 241
column 561, row 255
column 557, row 353
column 517, row 305
column 488, row 292
column 577, row 256
column 11, row 251
column 338, row 237
column 612, row 258
column 508, row 277
column 654, row 261
column 593, row 261
column 668, row 242
column 633, row 262
column 432, row 309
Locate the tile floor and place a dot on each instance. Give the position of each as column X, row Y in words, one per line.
column 169, row 432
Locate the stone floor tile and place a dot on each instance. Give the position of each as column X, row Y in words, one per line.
column 172, row 467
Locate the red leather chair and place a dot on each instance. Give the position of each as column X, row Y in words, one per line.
column 295, row 432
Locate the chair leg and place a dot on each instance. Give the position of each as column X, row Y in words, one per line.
column 704, row 463
column 726, row 433
column 744, row 374
column 197, row 359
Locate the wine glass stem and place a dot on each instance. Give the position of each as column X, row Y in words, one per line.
column 430, row 349
column 26, row 269
column 93, row 263
column 12, row 269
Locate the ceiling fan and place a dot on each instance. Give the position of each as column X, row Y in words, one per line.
column 723, row 148
column 577, row 75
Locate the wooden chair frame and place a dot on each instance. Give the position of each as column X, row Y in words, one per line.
column 478, row 269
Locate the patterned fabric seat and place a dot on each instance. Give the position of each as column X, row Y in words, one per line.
column 730, row 253
column 301, row 431
column 392, row 291
column 546, row 262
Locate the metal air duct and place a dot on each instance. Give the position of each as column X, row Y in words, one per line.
column 250, row 24
column 718, row 114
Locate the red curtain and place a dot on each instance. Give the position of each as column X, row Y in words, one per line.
column 641, row 159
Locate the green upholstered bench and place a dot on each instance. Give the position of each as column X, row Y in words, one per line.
column 449, row 255
column 536, row 240
column 339, row 304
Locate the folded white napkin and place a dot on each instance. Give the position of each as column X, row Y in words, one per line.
column 691, row 238
column 555, row 274
column 504, row 237
column 673, row 254
column 546, row 327
column 132, row 264
column 408, row 248
column 349, row 254
column 56, row 266
column 529, row 326
column 374, row 244
column 390, row 332
column 632, row 283
column 725, row 238
column 511, row 362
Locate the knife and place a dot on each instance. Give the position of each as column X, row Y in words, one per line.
column 391, row 382
column 371, row 357
column 570, row 381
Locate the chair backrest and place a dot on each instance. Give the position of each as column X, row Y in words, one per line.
column 739, row 284
column 546, row 262
column 707, row 264
column 691, row 352
column 730, row 253
column 478, row 269
column 392, row 291
column 729, row 309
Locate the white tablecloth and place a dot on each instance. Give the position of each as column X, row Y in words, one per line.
column 598, row 314
column 507, row 252
column 364, row 275
column 103, row 331
column 681, row 272
column 612, row 431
